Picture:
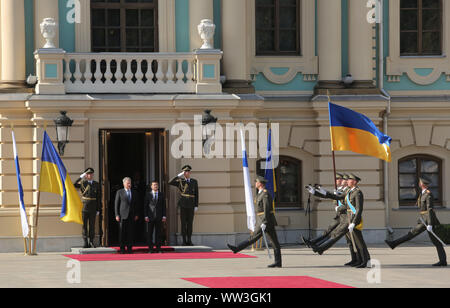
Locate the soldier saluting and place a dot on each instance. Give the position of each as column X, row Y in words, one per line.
column 266, row 222
column 188, row 202
column 428, row 217
column 90, row 196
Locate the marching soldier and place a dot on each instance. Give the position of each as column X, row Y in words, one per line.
column 90, row 196
column 341, row 184
column 428, row 217
column 340, row 219
column 354, row 200
column 266, row 222
column 188, row 202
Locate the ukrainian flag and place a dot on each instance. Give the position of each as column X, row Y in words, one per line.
column 353, row 131
column 54, row 179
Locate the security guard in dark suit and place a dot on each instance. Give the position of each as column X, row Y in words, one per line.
column 265, row 222
column 188, row 202
column 425, row 205
column 90, row 196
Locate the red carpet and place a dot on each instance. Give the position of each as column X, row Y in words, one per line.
column 265, row 282
column 157, row 256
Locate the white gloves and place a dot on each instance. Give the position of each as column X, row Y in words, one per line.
column 195, row 209
column 321, row 190
column 263, row 227
column 337, row 208
column 351, row 227
column 83, row 175
column 429, row 228
column 181, row 174
column 310, row 189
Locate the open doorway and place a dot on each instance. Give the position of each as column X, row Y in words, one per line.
column 138, row 154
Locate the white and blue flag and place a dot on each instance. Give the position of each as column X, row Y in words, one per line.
column 23, row 213
column 250, row 207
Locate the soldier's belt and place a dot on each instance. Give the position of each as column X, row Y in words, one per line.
column 90, row 199
column 262, row 213
column 424, row 212
column 188, row 196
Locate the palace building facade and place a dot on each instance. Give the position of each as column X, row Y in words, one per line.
column 127, row 71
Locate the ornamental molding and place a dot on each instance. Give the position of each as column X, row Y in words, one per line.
column 397, row 65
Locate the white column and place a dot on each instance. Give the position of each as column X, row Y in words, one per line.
column 329, row 40
column 13, row 41
column 360, row 41
column 236, row 59
column 198, row 10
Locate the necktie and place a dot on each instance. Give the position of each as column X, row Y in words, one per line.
column 155, row 196
column 129, row 195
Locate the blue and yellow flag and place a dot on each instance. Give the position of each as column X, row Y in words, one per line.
column 54, row 179
column 353, row 131
column 269, row 173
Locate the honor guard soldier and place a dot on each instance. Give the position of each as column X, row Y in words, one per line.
column 188, row 202
column 90, row 196
column 266, row 222
column 354, row 200
column 427, row 222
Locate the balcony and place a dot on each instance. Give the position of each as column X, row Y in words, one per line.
column 196, row 72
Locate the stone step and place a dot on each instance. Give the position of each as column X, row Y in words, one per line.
column 109, row 250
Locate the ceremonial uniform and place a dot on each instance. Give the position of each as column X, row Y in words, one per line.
column 351, row 213
column 265, row 216
column 91, row 198
column 187, row 203
column 426, row 207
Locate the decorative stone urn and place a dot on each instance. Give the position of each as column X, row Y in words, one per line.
column 206, row 30
column 48, row 30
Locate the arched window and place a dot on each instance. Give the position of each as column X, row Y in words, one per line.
column 410, row 169
column 288, row 177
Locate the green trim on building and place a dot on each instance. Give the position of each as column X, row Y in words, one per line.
column 182, row 40
column 66, row 29
column 209, row 71
column 406, row 84
column 29, row 38
column 218, row 22
column 51, row 70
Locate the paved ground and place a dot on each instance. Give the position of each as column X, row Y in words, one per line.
column 407, row 266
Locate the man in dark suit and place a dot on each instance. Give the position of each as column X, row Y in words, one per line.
column 426, row 207
column 188, row 202
column 126, row 209
column 155, row 215
column 91, row 197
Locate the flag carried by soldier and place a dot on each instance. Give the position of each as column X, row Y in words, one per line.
column 250, row 207
column 353, row 131
column 269, row 173
column 54, row 178
column 23, row 213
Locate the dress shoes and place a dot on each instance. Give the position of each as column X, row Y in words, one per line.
column 440, row 264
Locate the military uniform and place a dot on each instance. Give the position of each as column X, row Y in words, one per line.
column 187, row 203
column 266, row 216
column 426, row 207
column 350, row 213
column 91, row 198
column 326, row 234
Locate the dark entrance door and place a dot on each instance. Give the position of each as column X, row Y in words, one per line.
column 137, row 154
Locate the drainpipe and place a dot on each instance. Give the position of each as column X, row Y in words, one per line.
column 386, row 114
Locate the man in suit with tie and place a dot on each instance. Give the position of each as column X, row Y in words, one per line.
column 155, row 215
column 188, row 202
column 126, row 208
column 427, row 216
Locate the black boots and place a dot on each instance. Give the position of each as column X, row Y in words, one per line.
column 400, row 240
column 277, row 263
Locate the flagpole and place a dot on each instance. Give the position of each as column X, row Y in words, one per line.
column 335, row 184
column 37, row 212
